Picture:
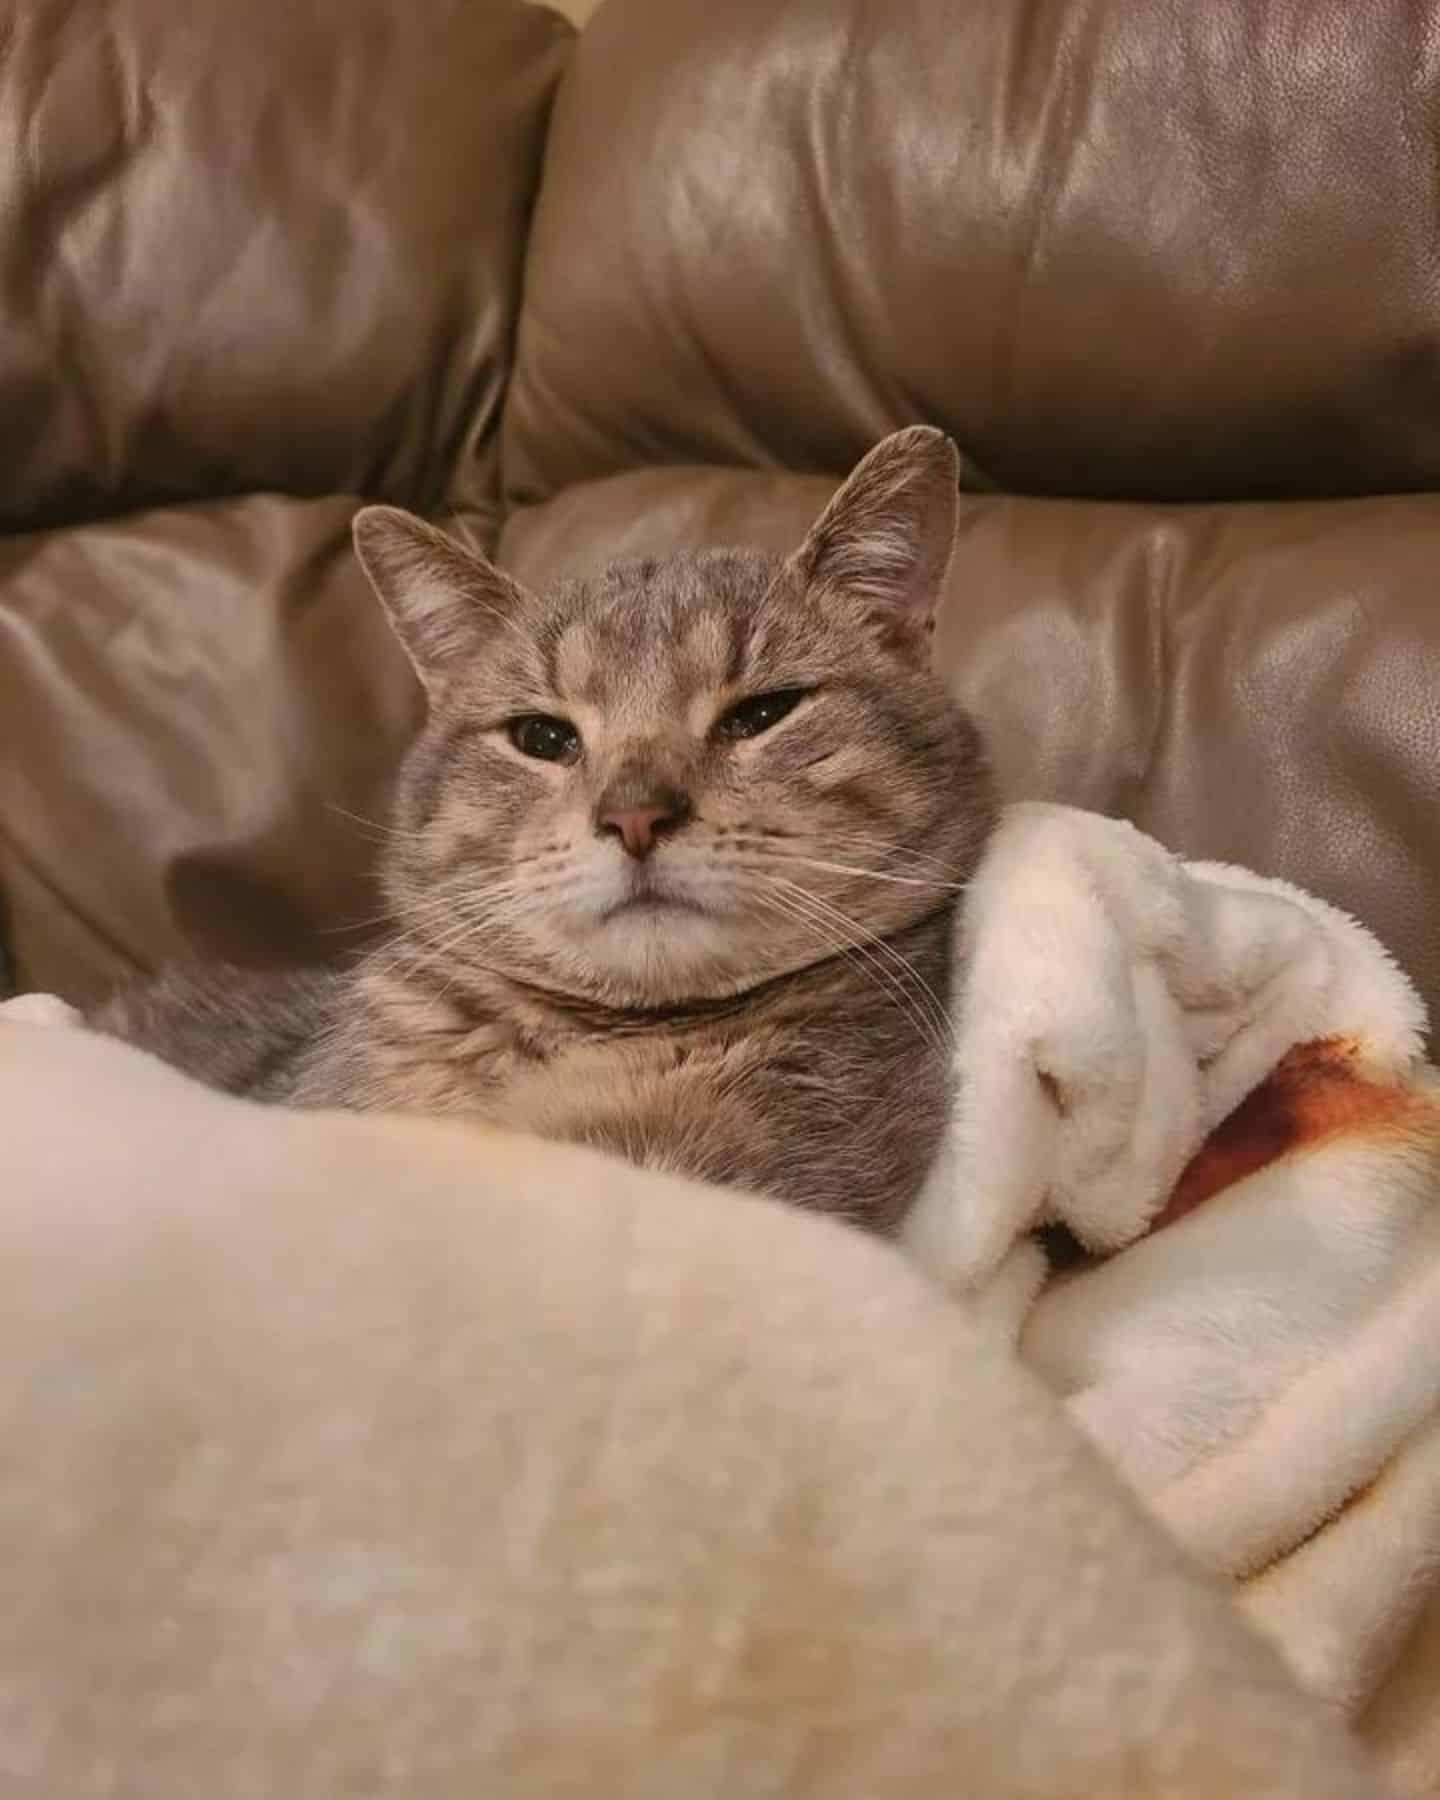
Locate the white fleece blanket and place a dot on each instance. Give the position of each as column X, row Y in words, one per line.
column 1265, row 1368
column 351, row 1455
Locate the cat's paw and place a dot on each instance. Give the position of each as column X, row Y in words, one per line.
column 38, row 1009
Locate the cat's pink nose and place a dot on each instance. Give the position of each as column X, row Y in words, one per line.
column 637, row 827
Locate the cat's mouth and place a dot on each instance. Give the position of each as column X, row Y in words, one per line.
column 646, row 897
column 649, row 902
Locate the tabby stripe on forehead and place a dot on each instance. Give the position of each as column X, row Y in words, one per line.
column 740, row 634
column 549, row 644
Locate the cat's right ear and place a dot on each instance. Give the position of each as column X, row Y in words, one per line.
column 884, row 542
column 443, row 599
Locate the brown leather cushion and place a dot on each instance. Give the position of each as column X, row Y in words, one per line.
column 1254, row 684
column 1127, row 248
column 199, row 710
column 274, row 244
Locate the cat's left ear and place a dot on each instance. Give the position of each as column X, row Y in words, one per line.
column 885, row 541
column 443, row 600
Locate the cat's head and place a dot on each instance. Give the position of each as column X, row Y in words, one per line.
column 683, row 778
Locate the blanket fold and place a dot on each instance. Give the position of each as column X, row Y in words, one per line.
column 1113, row 1005
column 1215, row 1082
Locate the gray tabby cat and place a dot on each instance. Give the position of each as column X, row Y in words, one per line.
column 673, row 866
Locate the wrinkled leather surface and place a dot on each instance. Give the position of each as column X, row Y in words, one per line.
column 271, row 245
column 1119, row 248
column 1255, row 684
column 245, row 251
column 193, row 704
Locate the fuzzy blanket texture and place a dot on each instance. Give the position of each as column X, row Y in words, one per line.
column 1223, row 1079
column 349, row 1454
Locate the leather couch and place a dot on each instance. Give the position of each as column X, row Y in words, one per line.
column 1169, row 275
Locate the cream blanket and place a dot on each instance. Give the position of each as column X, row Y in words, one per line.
column 1263, row 1365
column 369, row 1456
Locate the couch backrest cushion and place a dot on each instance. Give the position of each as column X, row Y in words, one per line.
column 263, row 245
column 1119, row 248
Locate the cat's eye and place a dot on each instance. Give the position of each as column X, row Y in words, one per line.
column 545, row 738
column 748, row 718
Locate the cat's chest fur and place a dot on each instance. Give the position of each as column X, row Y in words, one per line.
column 828, row 1090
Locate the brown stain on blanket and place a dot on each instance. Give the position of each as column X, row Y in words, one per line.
column 1316, row 1093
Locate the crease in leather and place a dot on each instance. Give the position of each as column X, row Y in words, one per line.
column 77, row 914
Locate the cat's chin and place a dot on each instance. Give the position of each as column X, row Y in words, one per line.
column 662, row 945
column 652, row 952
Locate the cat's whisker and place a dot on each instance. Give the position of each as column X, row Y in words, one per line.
column 444, row 907
column 383, row 833
column 767, row 840
column 888, row 967
column 428, row 909
column 467, row 919
column 501, row 904
column 468, row 926
column 443, row 934
column 848, row 843
column 886, row 951
column 931, row 883
column 446, row 903
column 356, row 925
column 875, row 972
column 494, row 911
column 396, row 958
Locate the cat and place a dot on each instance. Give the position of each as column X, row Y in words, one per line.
column 673, row 865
